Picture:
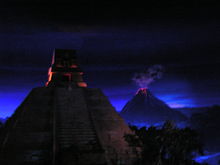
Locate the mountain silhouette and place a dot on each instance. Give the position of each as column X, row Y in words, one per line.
column 144, row 107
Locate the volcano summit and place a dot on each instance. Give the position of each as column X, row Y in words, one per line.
column 144, row 107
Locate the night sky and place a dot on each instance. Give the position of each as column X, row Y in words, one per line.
column 114, row 42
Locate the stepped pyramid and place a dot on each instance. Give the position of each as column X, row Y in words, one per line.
column 65, row 123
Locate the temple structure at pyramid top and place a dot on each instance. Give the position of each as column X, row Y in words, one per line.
column 65, row 70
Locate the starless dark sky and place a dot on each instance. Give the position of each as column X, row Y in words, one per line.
column 114, row 40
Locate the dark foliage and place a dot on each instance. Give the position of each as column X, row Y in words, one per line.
column 166, row 146
column 1, row 131
column 1, row 127
column 208, row 125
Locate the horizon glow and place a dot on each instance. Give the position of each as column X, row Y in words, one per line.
column 118, row 97
column 11, row 100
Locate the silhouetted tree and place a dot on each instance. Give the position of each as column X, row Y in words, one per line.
column 1, row 127
column 167, row 145
column 208, row 125
column 1, row 131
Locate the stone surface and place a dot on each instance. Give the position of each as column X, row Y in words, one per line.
column 66, row 126
column 65, row 123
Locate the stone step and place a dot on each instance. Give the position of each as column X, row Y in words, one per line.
column 61, row 134
column 88, row 143
column 76, row 136
column 76, row 133
column 76, row 126
column 84, row 127
column 79, row 142
column 73, row 123
column 65, row 145
column 71, row 119
column 83, row 147
column 75, row 129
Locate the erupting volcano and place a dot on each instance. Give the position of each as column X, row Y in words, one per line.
column 144, row 107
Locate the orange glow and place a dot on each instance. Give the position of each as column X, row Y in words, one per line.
column 142, row 91
column 49, row 76
column 80, row 73
column 73, row 66
column 69, row 75
column 69, row 72
column 82, row 84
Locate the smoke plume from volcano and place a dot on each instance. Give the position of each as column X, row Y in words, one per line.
column 143, row 79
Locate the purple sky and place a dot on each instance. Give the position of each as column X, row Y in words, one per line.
column 111, row 49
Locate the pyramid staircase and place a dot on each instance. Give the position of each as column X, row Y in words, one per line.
column 73, row 124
